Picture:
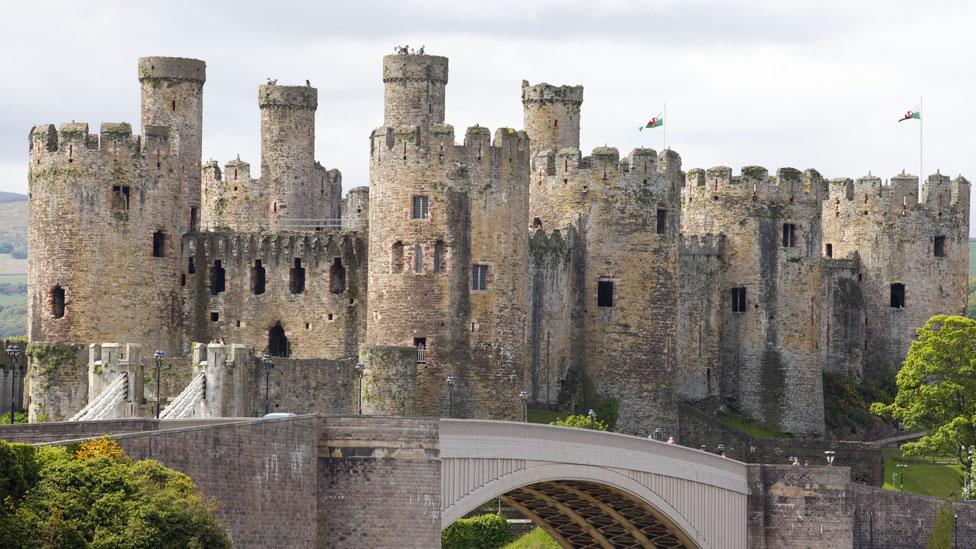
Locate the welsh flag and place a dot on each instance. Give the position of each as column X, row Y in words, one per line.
column 653, row 123
column 915, row 112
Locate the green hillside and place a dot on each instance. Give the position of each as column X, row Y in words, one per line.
column 972, row 258
column 13, row 265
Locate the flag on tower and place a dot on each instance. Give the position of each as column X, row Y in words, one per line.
column 915, row 112
column 653, row 122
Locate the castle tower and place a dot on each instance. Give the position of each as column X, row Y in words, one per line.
column 552, row 116
column 287, row 149
column 172, row 97
column 413, row 90
column 107, row 213
column 772, row 289
column 426, row 242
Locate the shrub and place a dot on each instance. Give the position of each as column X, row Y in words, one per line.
column 941, row 536
column 481, row 532
column 580, row 422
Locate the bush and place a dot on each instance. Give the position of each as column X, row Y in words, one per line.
column 482, row 532
column 580, row 422
column 941, row 536
column 97, row 497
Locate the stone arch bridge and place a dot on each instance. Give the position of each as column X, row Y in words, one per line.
column 365, row 481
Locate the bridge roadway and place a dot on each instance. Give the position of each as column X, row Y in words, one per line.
column 594, row 489
column 367, row 481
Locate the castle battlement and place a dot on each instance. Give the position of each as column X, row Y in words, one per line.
column 172, row 68
column 287, row 97
column 547, row 93
column 788, row 186
column 72, row 145
column 899, row 196
column 279, row 247
column 412, row 143
column 705, row 245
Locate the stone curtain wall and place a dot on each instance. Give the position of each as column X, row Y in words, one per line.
column 894, row 520
column 57, row 380
column 307, row 386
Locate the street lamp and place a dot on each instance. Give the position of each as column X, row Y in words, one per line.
column 450, row 395
column 525, row 406
column 830, row 455
column 360, row 369
column 268, row 365
column 158, row 356
column 13, row 352
column 901, row 467
column 592, row 414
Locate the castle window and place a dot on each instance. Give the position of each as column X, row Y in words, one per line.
column 604, row 293
column 421, row 344
column 555, row 123
column 217, row 278
column 159, row 244
column 297, row 277
column 258, row 278
column 940, row 246
column 738, row 300
column 278, row 341
column 789, row 235
column 418, row 259
column 182, row 280
column 396, row 257
column 419, row 208
column 57, row 302
column 214, row 316
column 193, row 218
column 337, row 277
column 898, row 295
column 438, row 253
column 191, row 267
column 829, row 250
column 479, row 277
column 662, row 221
column 120, row 197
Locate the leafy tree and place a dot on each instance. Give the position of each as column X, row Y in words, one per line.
column 937, row 390
column 95, row 496
column 481, row 532
column 580, row 422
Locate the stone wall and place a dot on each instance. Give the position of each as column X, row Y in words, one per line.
column 895, row 520
column 57, row 380
column 552, row 116
column 701, row 301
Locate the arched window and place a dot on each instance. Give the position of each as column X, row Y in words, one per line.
column 396, row 257
column 278, row 341
column 57, row 302
column 258, row 278
column 337, row 277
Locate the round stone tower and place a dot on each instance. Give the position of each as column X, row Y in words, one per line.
column 552, row 116
column 106, row 215
column 172, row 97
column 288, row 150
column 413, row 90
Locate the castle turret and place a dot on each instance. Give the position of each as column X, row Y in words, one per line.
column 552, row 116
column 414, row 90
column 172, row 97
column 287, row 149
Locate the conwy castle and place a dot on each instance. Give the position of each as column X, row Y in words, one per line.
column 474, row 275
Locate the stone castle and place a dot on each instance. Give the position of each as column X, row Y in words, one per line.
column 466, row 273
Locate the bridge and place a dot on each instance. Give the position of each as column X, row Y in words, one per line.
column 368, row 481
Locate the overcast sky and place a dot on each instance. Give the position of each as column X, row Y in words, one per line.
column 775, row 83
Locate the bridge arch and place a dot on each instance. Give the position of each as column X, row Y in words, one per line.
column 594, row 489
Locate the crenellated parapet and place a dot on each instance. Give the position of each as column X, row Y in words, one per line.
column 788, row 186
column 876, row 199
column 71, row 148
column 552, row 115
column 245, row 247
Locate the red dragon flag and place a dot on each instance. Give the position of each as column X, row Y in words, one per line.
column 915, row 112
column 653, row 123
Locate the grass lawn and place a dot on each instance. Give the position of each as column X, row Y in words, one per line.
column 926, row 476
column 535, row 539
column 750, row 427
column 544, row 416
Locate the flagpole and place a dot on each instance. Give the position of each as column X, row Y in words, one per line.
column 921, row 174
column 664, row 138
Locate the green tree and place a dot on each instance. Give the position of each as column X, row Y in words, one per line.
column 937, row 390
column 971, row 303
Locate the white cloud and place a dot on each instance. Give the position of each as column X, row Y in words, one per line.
column 802, row 84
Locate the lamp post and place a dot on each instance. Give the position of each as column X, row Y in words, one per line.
column 955, row 523
column 592, row 414
column 525, row 406
column 450, row 395
column 901, row 467
column 13, row 352
column 268, row 365
column 158, row 356
column 830, row 455
column 360, row 369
